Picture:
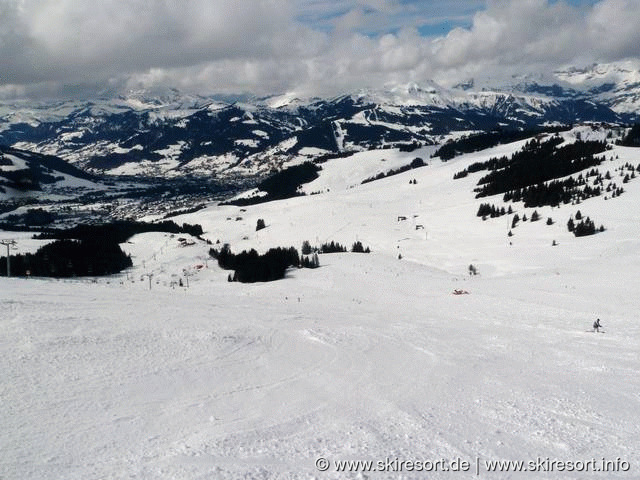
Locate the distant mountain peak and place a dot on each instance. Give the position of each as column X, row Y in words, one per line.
column 466, row 85
column 169, row 132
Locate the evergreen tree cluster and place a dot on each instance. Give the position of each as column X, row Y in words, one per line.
column 572, row 190
column 632, row 139
column 628, row 171
column 409, row 147
column 584, row 227
column 553, row 193
column 282, row 184
column 250, row 267
column 24, row 179
column 34, row 217
column 309, row 261
column 490, row 210
column 332, row 247
column 482, row 141
column 357, row 247
column 306, row 248
column 491, row 164
column 285, row 183
column 118, row 232
column 185, row 211
column 415, row 163
column 70, row 258
column 88, row 250
column 540, row 162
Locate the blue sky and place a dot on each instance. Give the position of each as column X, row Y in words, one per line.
column 429, row 17
column 380, row 17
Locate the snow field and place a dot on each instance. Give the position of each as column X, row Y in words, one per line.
column 377, row 359
column 366, row 358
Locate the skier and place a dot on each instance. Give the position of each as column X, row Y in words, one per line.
column 597, row 326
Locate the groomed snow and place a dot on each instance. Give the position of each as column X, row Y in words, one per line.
column 367, row 358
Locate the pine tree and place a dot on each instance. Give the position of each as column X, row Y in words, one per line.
column 357, row 247
column 584, row 228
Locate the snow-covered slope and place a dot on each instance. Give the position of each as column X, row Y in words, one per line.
column 369, row 357
column 26, row 174
column 346, row 211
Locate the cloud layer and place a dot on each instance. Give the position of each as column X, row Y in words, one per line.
column 63, row 47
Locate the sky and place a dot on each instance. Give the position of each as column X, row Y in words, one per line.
column 61, row 48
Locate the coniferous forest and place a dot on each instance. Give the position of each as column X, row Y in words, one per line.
column 251, row 267
column 69, row 258
column 534, row 175
column 482, row 141
column 86, row 250
column 539, row 162
column 118, row 232
column 632, row 139
column 281, row 185
column 415, row 163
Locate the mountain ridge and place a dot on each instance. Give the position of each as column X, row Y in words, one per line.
column 172, row 134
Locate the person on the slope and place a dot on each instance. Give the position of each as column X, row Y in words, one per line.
column 597, row 326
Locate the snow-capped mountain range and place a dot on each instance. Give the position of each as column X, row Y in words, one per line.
column 170, row 134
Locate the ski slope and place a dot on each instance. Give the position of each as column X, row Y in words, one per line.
column 369, row 357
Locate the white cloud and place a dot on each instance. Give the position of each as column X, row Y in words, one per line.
column 529, row 35
column 516, row 33
column 310, row 46
column 613, row 29
column 92, row 39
